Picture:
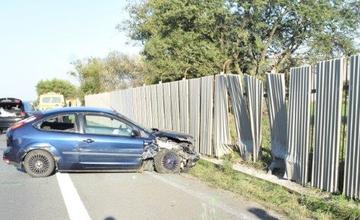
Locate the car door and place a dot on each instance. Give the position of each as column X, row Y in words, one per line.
column 62, row 133
column 109, row 143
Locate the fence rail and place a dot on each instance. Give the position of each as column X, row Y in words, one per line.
column 310, row 151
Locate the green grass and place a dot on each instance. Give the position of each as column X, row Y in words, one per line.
column 275, row 197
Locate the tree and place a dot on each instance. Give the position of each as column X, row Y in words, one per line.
column 116, row 71
column 63, row 87
column 194, row 38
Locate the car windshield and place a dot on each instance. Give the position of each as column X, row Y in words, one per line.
column 51, row 100
column 28, row 107
column 135, row 123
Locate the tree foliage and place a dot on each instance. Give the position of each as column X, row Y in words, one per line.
column 184, row 38
column 63, row 87
column 116, row 71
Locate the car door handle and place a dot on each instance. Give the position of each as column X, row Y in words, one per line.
column 88, row 141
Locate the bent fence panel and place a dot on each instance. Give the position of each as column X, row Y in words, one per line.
column 175, row 111
column 167, row 105
column 298, row 124
column 184, row 105
column 352, row 160
column 242, row 120
column 206, row 115
column 254, row 92
column 329, row 84
column 194, row 110
column 277, row 113
column 221, row 117
column 160, row 106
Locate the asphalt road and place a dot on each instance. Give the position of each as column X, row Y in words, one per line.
column 113, row 196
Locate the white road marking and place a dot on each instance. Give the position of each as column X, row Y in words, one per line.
column 75, row 208
column 203, row 197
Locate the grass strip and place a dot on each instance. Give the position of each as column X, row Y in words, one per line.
column 272, row 196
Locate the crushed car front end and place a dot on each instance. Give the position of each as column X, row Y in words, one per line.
column 180, row 143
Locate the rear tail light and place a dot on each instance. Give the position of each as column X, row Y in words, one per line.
column 22, row 123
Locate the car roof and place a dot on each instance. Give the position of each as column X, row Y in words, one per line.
column 78, row 109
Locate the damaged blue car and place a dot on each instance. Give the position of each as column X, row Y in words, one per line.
column 94, row 139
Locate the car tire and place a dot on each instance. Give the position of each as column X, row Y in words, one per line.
column 39, row 163
column 167, row 161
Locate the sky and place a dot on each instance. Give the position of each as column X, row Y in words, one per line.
column 39, row 39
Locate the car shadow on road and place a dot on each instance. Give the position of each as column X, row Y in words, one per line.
column 262, row 214
column 109, row 218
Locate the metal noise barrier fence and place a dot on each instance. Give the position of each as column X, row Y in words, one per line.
column 352, row 160
column 201, row 107
column 298, row 124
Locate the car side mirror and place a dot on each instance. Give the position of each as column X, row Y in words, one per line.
column 135, row 133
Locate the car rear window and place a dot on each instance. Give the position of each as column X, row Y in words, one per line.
column 63, row 122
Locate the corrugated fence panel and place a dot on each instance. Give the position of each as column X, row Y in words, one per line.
column 115, row 100
column 144, row 108
column 299, row 124
column 277, row 113
column 154, row 107
column 147, row 105
column 98, row 100
column 167, row 106
column 327, row 124
column 175, row 109
column 137, row 105
column 352, row 160
column 242, row 120
column 194, row 110
column 160, row 106
column 221, row 118
column 184, row 105
column 128, row 103
column 206, row 115
column 254, row 94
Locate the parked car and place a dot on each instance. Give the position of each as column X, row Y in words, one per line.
column 94, row 139
column 11, row 111
column 51, row 100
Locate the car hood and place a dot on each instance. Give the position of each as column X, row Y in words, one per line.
column 174, row 135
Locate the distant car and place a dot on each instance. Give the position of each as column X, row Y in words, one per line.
column 11, row 111
column 51, row 100
column 94, row 139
